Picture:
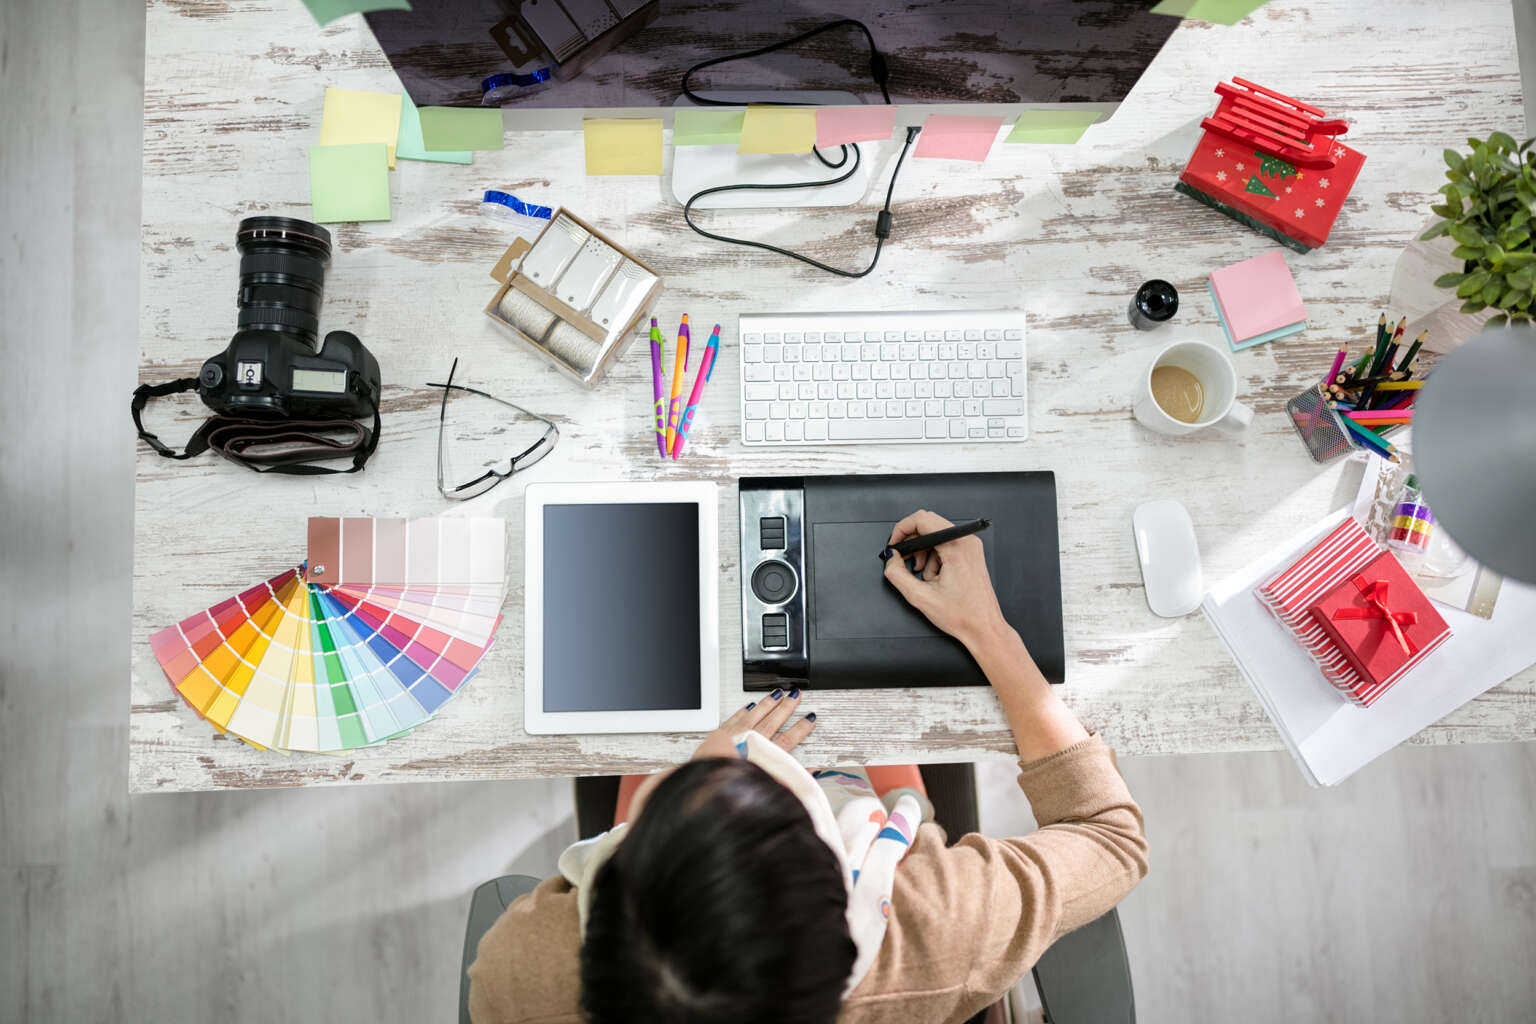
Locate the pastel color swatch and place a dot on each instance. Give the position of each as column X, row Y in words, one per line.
column 957, row 137
column 413, row 147
column 777, row 130
column 1051, row 127
column 836, row 126
column 701, row 126
column 327, row 11
column 622, row 145
column 365, row 641
column 1222, row 12
column 352, row 116
column 349, row 183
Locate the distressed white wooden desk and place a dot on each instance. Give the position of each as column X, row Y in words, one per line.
column 233, row 95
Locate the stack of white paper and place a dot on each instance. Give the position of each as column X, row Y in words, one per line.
column 1330, row 737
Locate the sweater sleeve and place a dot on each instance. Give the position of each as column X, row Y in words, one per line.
column 970, row 919
column 528, row 965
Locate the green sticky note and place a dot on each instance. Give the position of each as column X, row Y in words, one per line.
column 460, row 128
column 1223, row 12
column 622, row 145
column 327, row 11
column 706, row 127
column 411, row 146
column 1057, row 127
column 348, row 183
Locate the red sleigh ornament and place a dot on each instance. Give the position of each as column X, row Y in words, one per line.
column 1273, row 163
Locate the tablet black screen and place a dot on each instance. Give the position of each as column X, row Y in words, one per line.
column 621, row 607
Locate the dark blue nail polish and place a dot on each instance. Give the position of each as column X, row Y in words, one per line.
column 752, row 705
column 795, row 693
column 811, row 717
column 776, row 694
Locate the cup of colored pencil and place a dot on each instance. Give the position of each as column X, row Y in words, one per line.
column 1374, row 395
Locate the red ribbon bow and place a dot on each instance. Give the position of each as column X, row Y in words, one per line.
column 1375, row 595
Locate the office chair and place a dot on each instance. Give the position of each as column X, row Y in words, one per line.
column 1083, row 978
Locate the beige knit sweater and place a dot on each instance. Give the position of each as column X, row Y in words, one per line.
column 967, row 920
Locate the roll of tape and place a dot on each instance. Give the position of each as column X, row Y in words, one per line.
column 526, row 315
column 574, row 348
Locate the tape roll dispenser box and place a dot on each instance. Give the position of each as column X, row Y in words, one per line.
column 573, row 295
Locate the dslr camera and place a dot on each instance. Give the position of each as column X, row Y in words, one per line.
column 272, row 368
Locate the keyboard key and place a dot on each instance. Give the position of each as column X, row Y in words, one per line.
column 975, row 432
column 791, row 353
column 855, row 410
column 977, row 371
column 908, row 352
column 1010, row 350
column 832, row 337
column 752, row 353
column 885, row 389
column 962, row 388
column 874, row 410
column 956, row 371
column 786, row 392
column 999, row 389
column 773, row 353
column 933, row 335
column 892, row 335
column 946, row 351
column 973, row 335
column 841, row 371
column 757, row 371
column 802, row 371
column 943, row 389
column 914, row 409
column 810, row 353
column 813, row 337
column 888, row 352
column 821, row 371
column 903, row 389
column 816, row 430
column 797, row 410
column 953, row 407
column 957, row 428
column 900, row 371
column 997, row 368
column 872, row 336
column 805, row 391
column 928, row 353
column 754, row 431
column 914, row 335
column 938, row 371
column 996, row 431
column 773, row 431
column 986, row 351
column 845, row 389
column 771, row 338
column 878, row 430
column 992, row 335
column 791, row 337
column 778, row 411
column 933, row 407
column 1013, row 335
column 826, row 390
column 866, row 389
column 933, row 429
column 837, row 410
column 869, row 353
column 752, row 339
column 965, row 351
column 759, row 392
column 894, row 410
column 880, row 371
column 794, row 430
column 953, row 336
column 757, row 410
column 1015, row 431
column 850, row 352
column 972, row 407
column 919, row 371
column 817, row 411
column 1002, row 407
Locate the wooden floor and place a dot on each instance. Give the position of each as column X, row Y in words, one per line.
column 1409, row 894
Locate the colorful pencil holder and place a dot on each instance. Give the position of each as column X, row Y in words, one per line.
column 1318, row 425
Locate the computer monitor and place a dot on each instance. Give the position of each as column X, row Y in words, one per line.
column 549, row 63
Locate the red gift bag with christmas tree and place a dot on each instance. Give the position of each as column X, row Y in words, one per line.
column 1272, row 163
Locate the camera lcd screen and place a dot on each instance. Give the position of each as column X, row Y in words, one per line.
column 621, row 607
column 331, row 381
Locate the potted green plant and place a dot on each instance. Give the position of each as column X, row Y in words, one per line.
column 1489, row 202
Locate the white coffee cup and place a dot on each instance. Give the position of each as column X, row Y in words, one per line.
column 1218, row 382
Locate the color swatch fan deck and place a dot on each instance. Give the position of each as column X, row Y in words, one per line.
column 364, row 641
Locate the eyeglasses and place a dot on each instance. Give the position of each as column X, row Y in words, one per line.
column 492, row 476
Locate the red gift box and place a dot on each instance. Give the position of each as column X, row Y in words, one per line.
column 1272, row 163
column 1380, row 621
column 1345, row 553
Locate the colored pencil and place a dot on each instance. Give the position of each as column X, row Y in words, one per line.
column 1370, row 382
column 1369, row 440
column 1369, row 416
column 1413, row 350
column 1400, row 385
column 679, row 366
column 1381, row 342
column 1338, row 361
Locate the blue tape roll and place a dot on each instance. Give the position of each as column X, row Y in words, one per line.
column 516, row 205
column 511, row 79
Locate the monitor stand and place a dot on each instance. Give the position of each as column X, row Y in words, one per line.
column 695, row 168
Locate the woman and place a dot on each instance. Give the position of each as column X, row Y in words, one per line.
column 739, row 892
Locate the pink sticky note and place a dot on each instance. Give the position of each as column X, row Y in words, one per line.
column 954, row 137
column 837, row 125
column 1258, row 295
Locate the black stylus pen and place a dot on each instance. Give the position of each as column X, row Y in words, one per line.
column 924, row 541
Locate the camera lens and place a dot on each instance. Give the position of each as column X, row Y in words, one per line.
column 282, row 275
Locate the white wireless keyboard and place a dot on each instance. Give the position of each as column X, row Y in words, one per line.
column 874, row 378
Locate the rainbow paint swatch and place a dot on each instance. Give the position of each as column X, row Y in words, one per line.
column 363, row 642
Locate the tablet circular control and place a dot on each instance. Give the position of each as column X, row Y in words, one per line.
column 773, row 582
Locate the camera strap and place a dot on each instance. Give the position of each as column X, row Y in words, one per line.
column 266, row 446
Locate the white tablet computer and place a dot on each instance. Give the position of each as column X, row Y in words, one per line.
column 621, row 623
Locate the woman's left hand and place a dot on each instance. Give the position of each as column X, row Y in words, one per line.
column 767, row 716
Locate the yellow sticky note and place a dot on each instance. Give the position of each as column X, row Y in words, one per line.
column 623, row 145
column 778, row 130
column 353, row 117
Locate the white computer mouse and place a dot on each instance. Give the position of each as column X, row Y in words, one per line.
column 1169, row 556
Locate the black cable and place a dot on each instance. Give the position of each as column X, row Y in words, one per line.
column 882, row 224
column 878, row 69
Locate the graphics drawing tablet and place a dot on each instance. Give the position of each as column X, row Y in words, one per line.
column 621, row 622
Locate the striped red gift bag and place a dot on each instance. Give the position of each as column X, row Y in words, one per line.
column 1344, row 552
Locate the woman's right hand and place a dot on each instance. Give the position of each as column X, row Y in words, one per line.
column 952, row 586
